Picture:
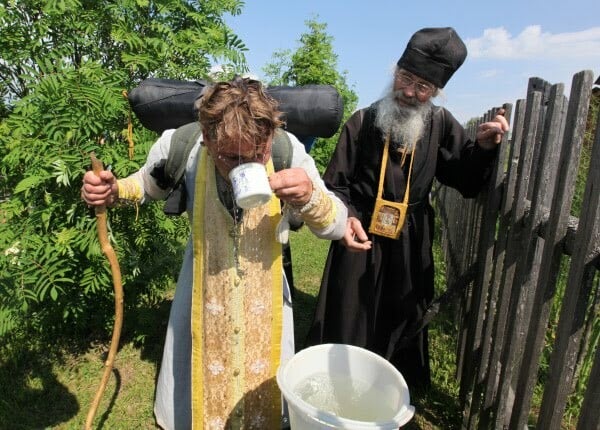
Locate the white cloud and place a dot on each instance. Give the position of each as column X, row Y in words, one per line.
column 215, row 69
column 533, row 43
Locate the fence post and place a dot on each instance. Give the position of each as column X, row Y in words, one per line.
column 469, row 213
column 509, row 184
column 527, row 266
column 514, row 246
column 544, row 87
column 526, row 373
column 574, row 303
column 483, row 268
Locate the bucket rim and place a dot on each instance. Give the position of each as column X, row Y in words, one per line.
column 403, row 416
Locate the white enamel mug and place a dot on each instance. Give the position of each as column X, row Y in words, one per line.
column 250, row 185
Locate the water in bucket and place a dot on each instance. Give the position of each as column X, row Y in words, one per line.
column 338, row 386
column 344, row 397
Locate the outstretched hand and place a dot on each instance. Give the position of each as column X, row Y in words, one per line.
column 489, row 134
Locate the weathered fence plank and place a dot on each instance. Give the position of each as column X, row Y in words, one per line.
column 574, row 304
column 545, row 183
column 527, row 266
column 470, row 220
column 544, row 87
column 472, row 214
column 515, row 244
column 492, row 199
column 508, row 190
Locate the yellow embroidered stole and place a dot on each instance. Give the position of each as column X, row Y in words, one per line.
column 236, row 311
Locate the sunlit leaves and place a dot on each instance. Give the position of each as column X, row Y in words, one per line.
column 314, row 62
column 61, row 6
column 65, row 66
column 61, row 172
column 28, row 183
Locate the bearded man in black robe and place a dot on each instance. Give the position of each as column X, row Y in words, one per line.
column 375, row 289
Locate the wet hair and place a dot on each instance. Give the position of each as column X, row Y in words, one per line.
column 238, row 112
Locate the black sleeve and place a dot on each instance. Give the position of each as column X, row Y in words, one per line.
column 341, row 168
column 462, row 164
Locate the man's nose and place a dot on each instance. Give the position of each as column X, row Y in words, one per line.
column 409, row 90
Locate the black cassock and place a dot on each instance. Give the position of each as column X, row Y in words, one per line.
column 373, row 299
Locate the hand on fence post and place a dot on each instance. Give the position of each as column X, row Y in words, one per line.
column 489, row 134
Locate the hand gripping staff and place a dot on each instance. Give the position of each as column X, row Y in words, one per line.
column 108, row 250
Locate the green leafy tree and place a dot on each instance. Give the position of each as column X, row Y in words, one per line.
column 64, row 67
column 314, row 62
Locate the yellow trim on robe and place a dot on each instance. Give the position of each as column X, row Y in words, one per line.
column 236, row 311
column 196, row 315
column 277, row 298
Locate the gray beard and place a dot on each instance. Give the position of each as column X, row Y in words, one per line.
column 405, row 124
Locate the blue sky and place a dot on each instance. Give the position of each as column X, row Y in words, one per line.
column 508, row 42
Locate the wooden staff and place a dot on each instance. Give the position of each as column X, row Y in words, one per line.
column 108, row 250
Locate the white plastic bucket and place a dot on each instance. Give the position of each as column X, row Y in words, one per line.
column 381, row 385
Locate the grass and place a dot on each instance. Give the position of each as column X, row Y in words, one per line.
column 308, row 257
column 51, row 388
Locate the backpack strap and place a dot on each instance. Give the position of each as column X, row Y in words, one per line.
column 281, row 154
column 282, row 150
column 182, row 142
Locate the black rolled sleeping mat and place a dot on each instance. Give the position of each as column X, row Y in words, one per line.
column 310, row 110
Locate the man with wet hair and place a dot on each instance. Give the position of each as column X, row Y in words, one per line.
column 231, row 318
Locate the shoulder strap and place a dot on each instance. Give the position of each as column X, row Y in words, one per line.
column 282, row 150
column 182, row 142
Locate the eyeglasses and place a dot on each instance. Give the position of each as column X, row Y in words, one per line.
column 421, row 88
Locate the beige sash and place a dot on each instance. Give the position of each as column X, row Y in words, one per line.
column 388, row 217
column 236, row 311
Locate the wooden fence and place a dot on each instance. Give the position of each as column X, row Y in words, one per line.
column 505, row 252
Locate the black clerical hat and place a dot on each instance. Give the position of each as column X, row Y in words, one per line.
column 434, row 54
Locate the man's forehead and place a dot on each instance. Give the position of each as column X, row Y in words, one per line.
column 241, row 146
column 415, row 77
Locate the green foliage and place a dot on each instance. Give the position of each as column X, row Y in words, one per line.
column 314, row 62
column 169, row 38
column 586, row 153
column 277, row 69
column 65, row 67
